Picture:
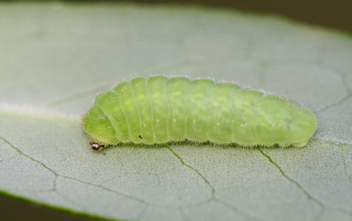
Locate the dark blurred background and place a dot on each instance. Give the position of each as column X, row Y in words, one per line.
column 335, row 14
column 329, row 13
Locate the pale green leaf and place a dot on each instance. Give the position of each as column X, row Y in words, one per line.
column 56, row 57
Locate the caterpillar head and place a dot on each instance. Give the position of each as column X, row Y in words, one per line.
column 96, row 146
column 99, row 128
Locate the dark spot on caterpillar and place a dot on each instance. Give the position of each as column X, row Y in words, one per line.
column 140, row 136
column 96, row 146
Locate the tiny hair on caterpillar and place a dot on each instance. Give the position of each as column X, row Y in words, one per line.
column 159, row 110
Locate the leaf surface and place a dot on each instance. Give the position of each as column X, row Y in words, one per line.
column 56, row 57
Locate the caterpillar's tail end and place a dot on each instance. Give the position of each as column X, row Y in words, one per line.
column 301, row 144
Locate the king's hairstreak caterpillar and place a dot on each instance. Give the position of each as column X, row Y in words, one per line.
column 159, row 110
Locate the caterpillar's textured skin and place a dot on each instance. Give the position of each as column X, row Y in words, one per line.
column 159, row 110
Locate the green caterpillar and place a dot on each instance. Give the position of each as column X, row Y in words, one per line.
column 158, row 110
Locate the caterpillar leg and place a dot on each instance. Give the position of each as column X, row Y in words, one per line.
column 301, row 144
